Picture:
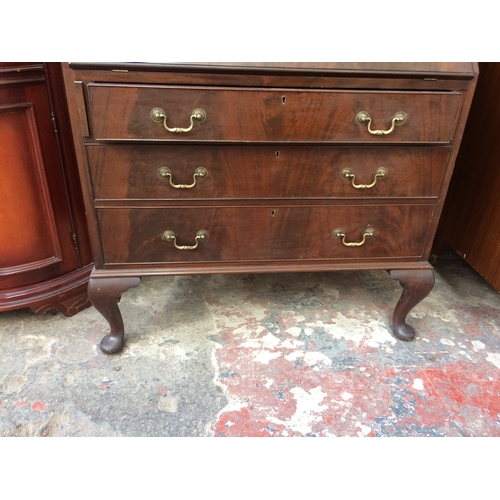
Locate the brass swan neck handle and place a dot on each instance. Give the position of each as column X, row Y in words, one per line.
column 198, row 116
column 363, row 118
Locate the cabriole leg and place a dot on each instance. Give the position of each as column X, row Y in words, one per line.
column 105, row 293
column 416, row 286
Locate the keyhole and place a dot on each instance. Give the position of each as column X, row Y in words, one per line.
column 283, row 100
column 273, row 213
column 277, row 154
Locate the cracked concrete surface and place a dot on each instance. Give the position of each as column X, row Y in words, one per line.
column 54, row 381
column 261, row 355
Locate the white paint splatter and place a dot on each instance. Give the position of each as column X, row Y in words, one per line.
column 477, row 345
column 365, row 430
column 265, row 356
column 438, row 311
column 248, row 331
column 294, row 330
column 370, row 329
column 269, row 383
column 268, row 341
column 446, row 342
column 307, row 412
column 313, row 358
column 293, row 356
column 418, row 384
column 291, row 344
column 493, row 357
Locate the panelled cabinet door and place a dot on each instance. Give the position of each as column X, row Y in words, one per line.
column 40, row 261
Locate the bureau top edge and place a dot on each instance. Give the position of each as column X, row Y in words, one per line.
column 431, row 76
column 457, row 70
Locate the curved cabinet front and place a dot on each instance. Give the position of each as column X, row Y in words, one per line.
column 43, row 262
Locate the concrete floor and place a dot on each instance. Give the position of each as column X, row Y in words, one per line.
column 261, row 355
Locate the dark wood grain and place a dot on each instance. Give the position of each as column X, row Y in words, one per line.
column 123, row 112
column 264, row 233
column 236, row 172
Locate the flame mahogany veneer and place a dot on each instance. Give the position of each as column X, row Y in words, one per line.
column 244, row 168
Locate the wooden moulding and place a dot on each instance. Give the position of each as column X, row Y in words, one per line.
column 66, row 294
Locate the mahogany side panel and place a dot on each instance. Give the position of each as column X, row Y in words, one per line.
column 471, row 215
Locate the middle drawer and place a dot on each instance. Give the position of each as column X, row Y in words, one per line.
column 239, row 172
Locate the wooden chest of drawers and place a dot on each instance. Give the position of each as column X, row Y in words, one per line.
column 234, row 167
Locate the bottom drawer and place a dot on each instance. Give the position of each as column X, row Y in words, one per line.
column 137, row 235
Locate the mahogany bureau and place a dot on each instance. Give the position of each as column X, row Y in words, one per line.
column 264, row 167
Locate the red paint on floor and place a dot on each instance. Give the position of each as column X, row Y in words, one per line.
column 315, row 371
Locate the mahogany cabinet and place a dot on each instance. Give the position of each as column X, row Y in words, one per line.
column 264, row 167
column 45, row 256
column 471, row 215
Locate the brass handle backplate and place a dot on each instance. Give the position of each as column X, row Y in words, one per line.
column 170, row 236
column 380, row 173
column 199, row 173
column 363, row 118
column 339, row 233
column 198, row 116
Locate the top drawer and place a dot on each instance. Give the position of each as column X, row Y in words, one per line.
column 123, row 112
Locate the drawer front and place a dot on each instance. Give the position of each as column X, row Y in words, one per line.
column 124, row 113
column 138, row 172
column 134, row 235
